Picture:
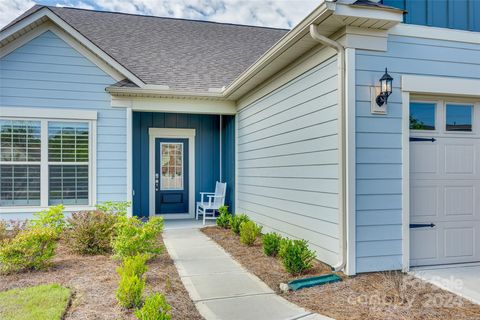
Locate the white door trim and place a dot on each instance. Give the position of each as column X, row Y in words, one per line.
column 423, row 85
column 189, row 134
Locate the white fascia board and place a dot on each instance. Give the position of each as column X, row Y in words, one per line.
column 177, row 105
column 45, row 12
column 441, row 85
column 48, row 113
column 435, row 33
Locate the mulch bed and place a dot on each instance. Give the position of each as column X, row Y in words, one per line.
column 380, row 295
column 94, row 280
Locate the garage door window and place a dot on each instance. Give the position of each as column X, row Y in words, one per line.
column 459, row 117
column 422, row 116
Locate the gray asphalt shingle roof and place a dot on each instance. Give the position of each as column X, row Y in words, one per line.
column 182, row 54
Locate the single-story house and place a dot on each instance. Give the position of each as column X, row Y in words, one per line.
column 296, row 122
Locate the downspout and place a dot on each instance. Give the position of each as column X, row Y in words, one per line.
column 342, row 143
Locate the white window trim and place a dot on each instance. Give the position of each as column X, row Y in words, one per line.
column 44, row 115
column 180, row 134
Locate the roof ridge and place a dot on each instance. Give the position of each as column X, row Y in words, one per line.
column 160, row 17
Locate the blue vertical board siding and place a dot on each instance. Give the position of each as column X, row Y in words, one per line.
column 455, row 14
column 207, row 153
column 47, row 72
column 379, row 139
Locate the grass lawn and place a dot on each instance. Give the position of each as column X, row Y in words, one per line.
column 44, row 302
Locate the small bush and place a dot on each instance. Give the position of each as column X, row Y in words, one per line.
column 155, row 307
column 30, row 249
column 118, row 208
column 223, row 220
column 133, row 237
column 3, row 230
column 296, row 256
column 90, row 232
column 134, row 265
column 52, row 218
column 271, row 243
column 249, row 232
column 130, row 291
column 236, row 221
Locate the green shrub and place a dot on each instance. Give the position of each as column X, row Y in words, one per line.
column 236, row 221
column 90, row 232
column 130, row 291
column 249, row 232
column 52, row 217
column 30, row 249
column 135, row 265
column 155, row 307
column 133, row 237
column 3, row 230
column 118, row 208
column 271, row 243
column 223, row 220
column 296, row 256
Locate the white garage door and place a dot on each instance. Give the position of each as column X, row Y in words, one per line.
column 444, row 182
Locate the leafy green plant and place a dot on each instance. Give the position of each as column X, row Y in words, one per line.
column 3, row 230
column 118, row 208
column 133, row 237
column 249, row 232
column 90, row 232
column 30, row 249
column 135, row 265
column 236, row 221
column 130, row 291
column 296, row 256
column 155, row 307
column 223, row 220
column 271, row 243
column 52, row 217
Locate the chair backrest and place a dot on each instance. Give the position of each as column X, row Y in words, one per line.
column 220, row 190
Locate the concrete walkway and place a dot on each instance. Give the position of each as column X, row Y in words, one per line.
column 220, row 287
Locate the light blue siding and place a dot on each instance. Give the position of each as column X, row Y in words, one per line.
column 48, row 73
column 379, row 140
column 288, row 160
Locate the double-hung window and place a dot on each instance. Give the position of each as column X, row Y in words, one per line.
column 46, row 162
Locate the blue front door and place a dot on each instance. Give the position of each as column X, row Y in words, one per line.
column 171, row 176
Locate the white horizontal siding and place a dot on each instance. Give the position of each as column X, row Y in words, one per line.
column 288, row 160
column 47, row 72
column 379, row 140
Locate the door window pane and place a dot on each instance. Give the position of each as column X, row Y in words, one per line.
column 459, row 117
column 422, row 116
column 171, row 166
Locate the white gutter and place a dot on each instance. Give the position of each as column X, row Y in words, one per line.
column 341, row 139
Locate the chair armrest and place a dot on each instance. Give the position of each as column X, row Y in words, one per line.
column 213, row 196
column 204, row 193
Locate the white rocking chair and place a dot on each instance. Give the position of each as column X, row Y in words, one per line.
column 215, row 201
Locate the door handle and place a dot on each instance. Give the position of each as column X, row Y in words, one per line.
column 156, row 181
column 421, row 225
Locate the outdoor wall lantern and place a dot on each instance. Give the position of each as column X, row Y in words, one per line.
column 385, row 89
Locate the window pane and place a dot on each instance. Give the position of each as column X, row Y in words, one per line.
column 422, row 116
column 171, row 166
column 68, row 141
column 459, row 117
column 68, row 184
column 19, row 185
column 19, row 140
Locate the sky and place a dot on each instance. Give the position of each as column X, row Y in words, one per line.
column 269, row 13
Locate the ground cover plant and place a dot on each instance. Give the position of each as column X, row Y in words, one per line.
column 373, row 296
column 43, row 302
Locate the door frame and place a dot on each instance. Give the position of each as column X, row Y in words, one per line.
column 170, row 133
column 427, row 86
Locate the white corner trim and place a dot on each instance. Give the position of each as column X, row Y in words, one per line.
column 350, row 159
column 441, row 85
column 129, row 173
column 172, row 133
column 47, row 13
column 48, row 113
column 426, row 32
column 405, row 181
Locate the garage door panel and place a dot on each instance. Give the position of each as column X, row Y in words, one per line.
column 459, row 158
column 423, row 244
column 423, row 158
column 423, row 201
column 459, row 200
column 459, row 242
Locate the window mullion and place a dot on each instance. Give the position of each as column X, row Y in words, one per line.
column 44, row 163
